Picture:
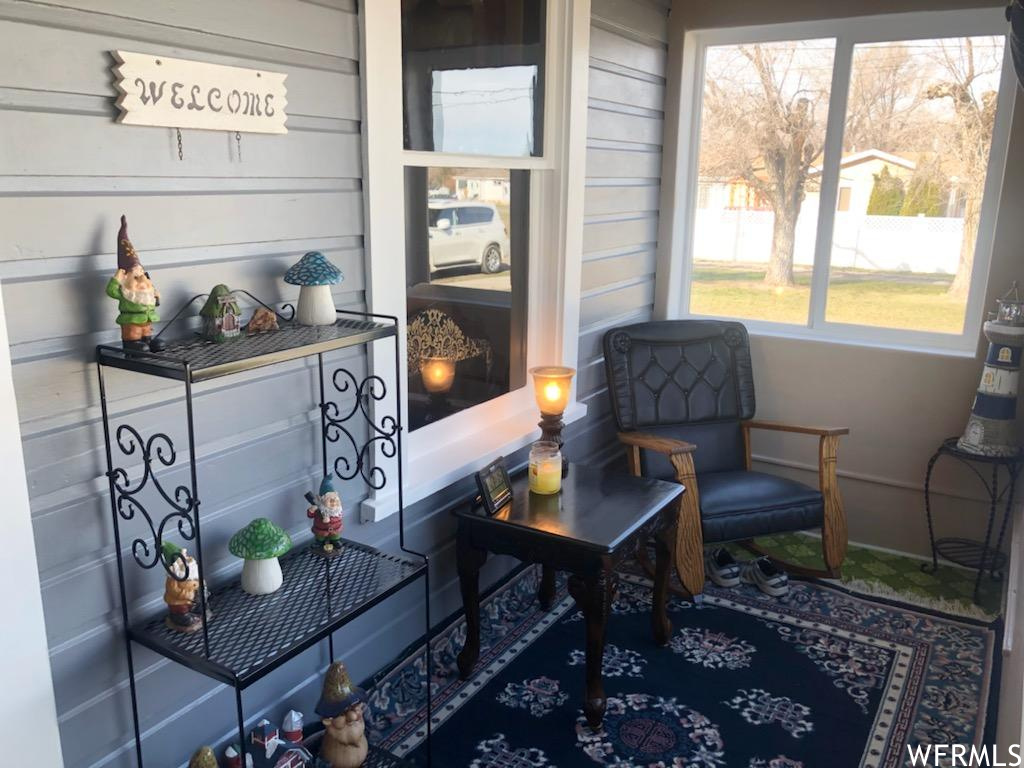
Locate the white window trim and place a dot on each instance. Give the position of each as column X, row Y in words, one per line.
column 681, row 162
column 440, row 454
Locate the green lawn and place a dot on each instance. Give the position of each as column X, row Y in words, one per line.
column 889, row 299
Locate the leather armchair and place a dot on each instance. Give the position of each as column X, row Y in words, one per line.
column 682, row 394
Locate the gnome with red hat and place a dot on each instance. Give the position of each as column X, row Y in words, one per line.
column 137, row 298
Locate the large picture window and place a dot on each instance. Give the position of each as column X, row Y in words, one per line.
column 841, row 178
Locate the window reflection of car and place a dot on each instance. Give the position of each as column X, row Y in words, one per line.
column 464, row 233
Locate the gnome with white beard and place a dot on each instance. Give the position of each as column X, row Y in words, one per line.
column 137, row 298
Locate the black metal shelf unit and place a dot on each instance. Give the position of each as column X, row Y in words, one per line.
column 250, row 636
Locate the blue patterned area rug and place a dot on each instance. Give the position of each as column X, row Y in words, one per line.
column 819, row 678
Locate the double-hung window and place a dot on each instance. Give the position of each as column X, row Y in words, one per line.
column 474, row 140
column 843, row 176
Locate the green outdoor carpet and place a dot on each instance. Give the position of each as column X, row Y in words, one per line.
column 887, row 573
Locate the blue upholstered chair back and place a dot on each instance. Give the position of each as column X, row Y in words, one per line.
column 687, row 379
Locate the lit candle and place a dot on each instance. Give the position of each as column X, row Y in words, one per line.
column 437, row 373
column 551, row 384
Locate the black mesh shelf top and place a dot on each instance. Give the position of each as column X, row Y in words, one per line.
column 208, row 360
column 250, row 635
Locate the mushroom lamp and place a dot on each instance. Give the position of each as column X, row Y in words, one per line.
column 314, row 275
column 260, row 543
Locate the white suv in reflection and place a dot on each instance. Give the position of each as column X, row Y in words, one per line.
column 464, row 233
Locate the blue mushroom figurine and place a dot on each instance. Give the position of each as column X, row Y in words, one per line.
column 315, row 275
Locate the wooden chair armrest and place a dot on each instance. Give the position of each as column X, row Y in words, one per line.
column 780, row 426
column 666, row 445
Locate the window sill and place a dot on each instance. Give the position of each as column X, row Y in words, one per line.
column 856, row 338
column 428, row 472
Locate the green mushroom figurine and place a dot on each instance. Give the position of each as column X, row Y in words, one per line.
column 260, row 543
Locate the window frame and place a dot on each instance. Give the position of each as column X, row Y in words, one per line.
column 675, row 264
column 442, row 453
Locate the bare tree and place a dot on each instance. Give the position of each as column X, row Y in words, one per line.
column 763, row 124
column 968, row 67
column 882, row 108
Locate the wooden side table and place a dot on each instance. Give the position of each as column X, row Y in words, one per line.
column 977, row 555
column 587, row 529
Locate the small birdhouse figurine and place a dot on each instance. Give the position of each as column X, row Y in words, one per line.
column 314, row 275
column 222, row 319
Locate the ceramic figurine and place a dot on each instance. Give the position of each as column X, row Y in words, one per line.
column 233, row 757
column 262, row 320
column 137, row 298
column 260, row 543
column 291, row 727
column 181, row 590
column 341, row 707
column 325, row 512
column 992, row 427
column 315, row 275
column 203, row 758
column 266, row 749
column 222, row 319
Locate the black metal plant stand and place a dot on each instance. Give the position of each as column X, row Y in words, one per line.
column 250, row 636
column 977, row 555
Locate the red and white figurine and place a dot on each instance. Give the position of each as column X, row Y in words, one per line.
column 325, row 511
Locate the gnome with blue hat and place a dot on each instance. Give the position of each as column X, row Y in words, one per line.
column 341, row 708
column 325, row 512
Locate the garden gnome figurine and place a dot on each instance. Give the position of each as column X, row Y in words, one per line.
column 203, row 758
column 341, row 707
column 137, row 298
column 325, row 512
column 181, row 590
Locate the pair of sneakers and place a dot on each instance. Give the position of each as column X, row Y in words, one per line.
column 722, row 568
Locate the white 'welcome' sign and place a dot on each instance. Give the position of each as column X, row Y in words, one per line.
column 178, row 93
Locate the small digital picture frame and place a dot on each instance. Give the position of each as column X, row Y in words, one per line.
column 495, row 487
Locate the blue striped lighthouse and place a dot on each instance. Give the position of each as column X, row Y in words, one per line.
column 991, row 429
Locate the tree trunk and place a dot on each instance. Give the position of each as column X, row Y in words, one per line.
column 780, row 265
column 965, row 267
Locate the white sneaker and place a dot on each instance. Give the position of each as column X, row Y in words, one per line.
column 721, row 567
column 766, row 576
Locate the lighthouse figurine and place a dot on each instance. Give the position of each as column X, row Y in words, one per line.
column 991, row 429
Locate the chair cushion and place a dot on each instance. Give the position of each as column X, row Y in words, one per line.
column 742, row 505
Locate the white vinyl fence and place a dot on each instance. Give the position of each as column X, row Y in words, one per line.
column 884, row 243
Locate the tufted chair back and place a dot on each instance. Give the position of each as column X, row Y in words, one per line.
column 687, row 379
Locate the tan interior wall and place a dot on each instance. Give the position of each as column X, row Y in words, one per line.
column 899, row 405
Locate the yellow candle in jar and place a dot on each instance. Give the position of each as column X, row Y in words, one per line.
column 546, row 475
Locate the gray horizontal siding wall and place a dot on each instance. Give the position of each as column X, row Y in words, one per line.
column 67, row 172
column 628, row 47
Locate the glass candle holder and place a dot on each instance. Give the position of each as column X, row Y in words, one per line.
column 545, row 468
column 438, row 373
